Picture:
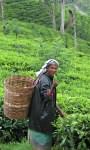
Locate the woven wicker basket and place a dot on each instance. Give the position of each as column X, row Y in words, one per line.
column 17, row 99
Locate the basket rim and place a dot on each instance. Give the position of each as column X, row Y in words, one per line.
column 17, row 77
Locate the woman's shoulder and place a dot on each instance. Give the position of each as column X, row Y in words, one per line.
column 44, row 78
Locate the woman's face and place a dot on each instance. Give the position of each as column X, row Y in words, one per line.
column 52, row 69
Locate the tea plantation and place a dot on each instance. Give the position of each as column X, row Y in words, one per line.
column 24, row 47
column 25, row 55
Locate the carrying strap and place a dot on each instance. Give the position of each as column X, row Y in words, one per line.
column 36, row 81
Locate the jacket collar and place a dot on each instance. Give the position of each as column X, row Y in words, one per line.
column 51, row 77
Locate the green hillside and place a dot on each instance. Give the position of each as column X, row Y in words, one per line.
column 26, row 42
column 27, row 10
column 37, row 12
column 35, row 44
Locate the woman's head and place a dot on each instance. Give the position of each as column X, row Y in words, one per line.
column 50, row 67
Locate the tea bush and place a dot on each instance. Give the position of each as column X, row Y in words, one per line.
column 73, row 132
column 11, row 130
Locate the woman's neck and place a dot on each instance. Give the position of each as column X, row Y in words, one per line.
column 50, row 76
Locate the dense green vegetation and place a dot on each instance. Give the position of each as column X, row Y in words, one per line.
column 31, row 11
column 37, row 12
column 14, row 146
column 24, row 46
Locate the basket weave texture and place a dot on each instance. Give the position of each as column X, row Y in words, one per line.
column 17, row 98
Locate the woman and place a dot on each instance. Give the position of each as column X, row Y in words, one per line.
column 43, row 107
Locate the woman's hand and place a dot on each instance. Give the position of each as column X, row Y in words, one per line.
column 60, row 112
column 49, row 92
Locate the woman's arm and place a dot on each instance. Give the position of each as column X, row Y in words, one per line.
column 45, row 90
column 46, row 93
column 59, row 111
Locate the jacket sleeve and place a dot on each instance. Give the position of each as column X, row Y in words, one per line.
column 44, row 86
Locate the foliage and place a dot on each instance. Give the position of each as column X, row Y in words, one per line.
column 73, row 132
column 19, row 146
column 11, row 130
column 37, row 12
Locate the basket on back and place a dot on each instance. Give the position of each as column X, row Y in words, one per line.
column 17, row 99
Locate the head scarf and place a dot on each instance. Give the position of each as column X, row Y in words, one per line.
column 46, row 64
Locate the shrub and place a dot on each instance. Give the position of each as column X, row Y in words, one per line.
column 11, row 130
column 73, row 132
